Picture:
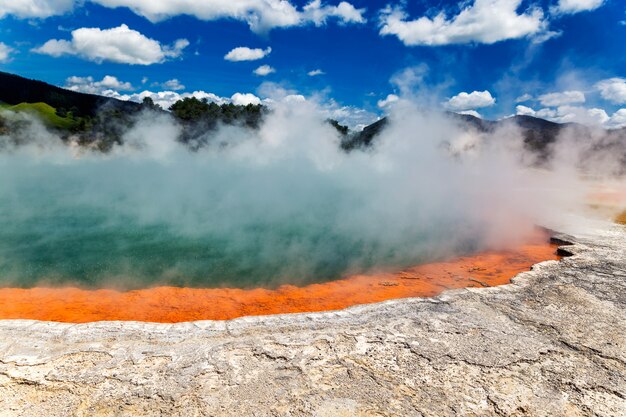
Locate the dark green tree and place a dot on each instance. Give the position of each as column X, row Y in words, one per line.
column 149, row 104
column 190, row 109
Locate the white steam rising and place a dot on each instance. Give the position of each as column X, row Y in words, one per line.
column 262, row 207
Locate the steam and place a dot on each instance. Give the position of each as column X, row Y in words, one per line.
column 281, row 204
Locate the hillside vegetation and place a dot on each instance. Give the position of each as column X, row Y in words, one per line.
column 46, row 113
column 101, row 122
column 15, row 90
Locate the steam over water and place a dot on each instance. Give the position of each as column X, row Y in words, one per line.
column 195, row 224
column 282, row 205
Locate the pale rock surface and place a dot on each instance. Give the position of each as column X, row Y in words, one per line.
column 553, row 343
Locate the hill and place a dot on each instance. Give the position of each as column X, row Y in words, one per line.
column 105, row 120
column 538, row 133
column 16, row 90
column 45, row 112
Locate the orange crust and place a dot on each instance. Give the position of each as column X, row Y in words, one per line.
column 171, row 305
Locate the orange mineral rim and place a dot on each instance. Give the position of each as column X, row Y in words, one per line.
column 172, row 305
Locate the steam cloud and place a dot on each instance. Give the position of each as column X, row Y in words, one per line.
column 281, row 204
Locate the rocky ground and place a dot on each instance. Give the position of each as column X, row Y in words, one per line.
column 551, row 344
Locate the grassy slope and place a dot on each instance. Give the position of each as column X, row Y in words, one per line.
column 45, row 112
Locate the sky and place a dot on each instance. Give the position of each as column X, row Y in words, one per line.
column 562, row 60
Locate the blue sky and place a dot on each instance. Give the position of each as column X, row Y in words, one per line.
column 563, row 60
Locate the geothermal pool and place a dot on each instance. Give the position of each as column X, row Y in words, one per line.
column 80, row 245
column 278, row 221
column 172, row 305
column 52, row 237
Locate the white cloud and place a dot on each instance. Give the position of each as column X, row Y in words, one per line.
column 244, row 99
column 524, row 111
column 5, row 52
column 274, row 92
column 562, row 98
column 598, row 116
column 617, row 120
column 165, row 99
column 264, row 70
column 260, row 15
column 351, row 116
column 390, row 99
column 294, row 98
column 471, row 113
column 173, row 85
column 484, row 21
column 354, row 117
column 319, row 14
column 576, row 6
column 548, row 114
column 471, row 101
column 28, row 9
column 121, row 45
column 315, row 73
column 571, row 114
column 613, row 90
column 90, row 86
column 523, row 98
column 244, row 53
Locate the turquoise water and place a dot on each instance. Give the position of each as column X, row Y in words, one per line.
column 91, row 248
column 134, row 223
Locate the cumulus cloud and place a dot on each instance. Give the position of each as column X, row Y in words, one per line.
column 554, row 115
column 240, row 99
column 562, row 98
column 484, row 21
column 576, row 6
column 29, row 9
column 470, row 101
column 613, row 90
column 244, row 53
column 165, row 99
column 471, row 113
column 354, row 117
column 90, row 86
column 390, row 99
column 315, row 73
column 577, row 114
column 173, row 85
column 264, row 70
column 5, row 52
column 345, row 12
column 617, row 120
column 121, row 45
column 260, row 15
column 351, row 116
column 272, row 95
column 524, row 111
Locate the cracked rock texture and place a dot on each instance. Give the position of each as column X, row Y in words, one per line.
column 550, row 344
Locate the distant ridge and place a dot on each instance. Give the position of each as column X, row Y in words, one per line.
column 538, row 133
column 103, row 118
column 15, row 90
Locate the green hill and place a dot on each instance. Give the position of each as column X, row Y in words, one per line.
column 45, row 112
column 15, row 90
